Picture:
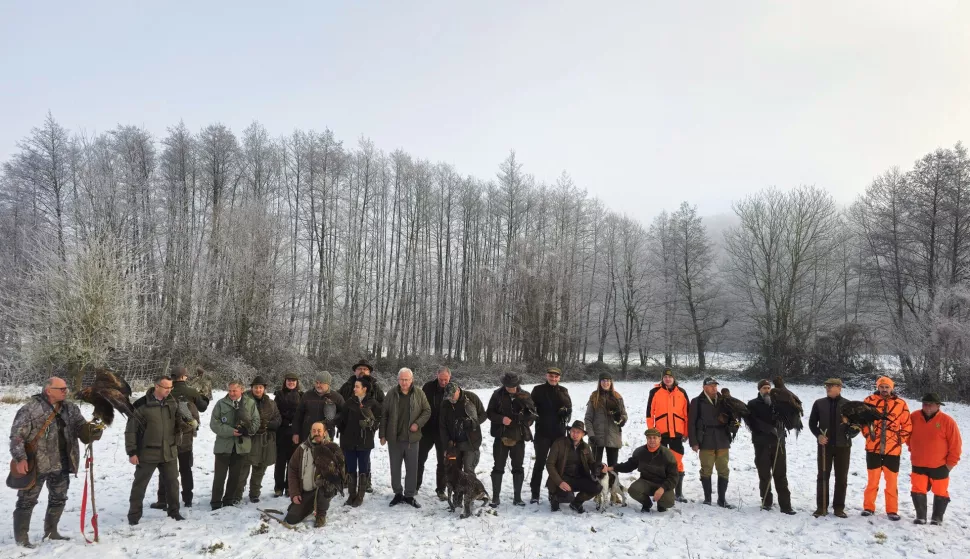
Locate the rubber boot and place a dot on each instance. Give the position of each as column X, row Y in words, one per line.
column 21, row 527
column 496, row 490
column 919, row 503
column 706, row 484
column 351, row 490
column 517, row 480
column 722, row 484
column 362, row 480
column 679, row 491
column 369, row 489
column 939, row 507
column 51, row 519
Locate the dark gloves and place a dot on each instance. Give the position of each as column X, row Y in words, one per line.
column 564, row 413
column 243, row 430
column 90, row 432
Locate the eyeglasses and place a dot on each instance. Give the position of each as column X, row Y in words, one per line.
column 61, row 388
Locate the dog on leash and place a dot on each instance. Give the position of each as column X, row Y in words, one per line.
column 463, row 487
column 611, row 492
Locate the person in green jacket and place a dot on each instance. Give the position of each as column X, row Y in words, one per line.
column 152, row 436
column 406, row 410
column 234, row 420
column 263, row 451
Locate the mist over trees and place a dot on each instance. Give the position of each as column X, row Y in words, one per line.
column 132, row 250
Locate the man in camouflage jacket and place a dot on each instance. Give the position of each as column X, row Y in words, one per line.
column 57, row 454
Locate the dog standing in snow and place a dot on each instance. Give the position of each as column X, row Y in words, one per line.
column 611, row 492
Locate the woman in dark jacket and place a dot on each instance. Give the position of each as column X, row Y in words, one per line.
column 357, row 426
column 287, row 400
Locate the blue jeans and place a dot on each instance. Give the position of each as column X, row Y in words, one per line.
column 357, row 460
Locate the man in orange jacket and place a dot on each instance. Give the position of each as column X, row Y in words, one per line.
column 667, row 413
column 884, row 445
column 935, row 448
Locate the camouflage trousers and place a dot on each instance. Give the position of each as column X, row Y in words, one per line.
column 57, row 485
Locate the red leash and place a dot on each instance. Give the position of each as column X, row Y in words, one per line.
column 89, row 477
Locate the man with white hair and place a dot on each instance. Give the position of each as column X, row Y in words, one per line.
column 406, row 411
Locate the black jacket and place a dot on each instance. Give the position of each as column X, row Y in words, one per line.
column 659, row 466
column 827, row 412
column 554, row 408
column 461, row 423
column 287, row 401
column 315, row 407
column 762, row 422
column 347, row 389
column 436, row 395
column 705, row 430
column 518, row 407
column 356, row 428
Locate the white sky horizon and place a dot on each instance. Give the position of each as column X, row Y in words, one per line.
column 643, row 104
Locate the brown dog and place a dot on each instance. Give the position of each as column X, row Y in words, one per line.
column 462, row 486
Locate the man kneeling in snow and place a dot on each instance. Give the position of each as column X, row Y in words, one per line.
column 314, row 476
column 570, row 468
column 658, row 473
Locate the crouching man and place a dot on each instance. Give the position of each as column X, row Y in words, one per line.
column 314, row 476
column 570, row 468
column 658, row 473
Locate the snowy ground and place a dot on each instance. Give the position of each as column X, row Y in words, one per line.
column 373, row 530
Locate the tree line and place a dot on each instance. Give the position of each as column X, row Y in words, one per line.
column 127, row 249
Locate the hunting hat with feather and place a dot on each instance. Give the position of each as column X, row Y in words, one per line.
column 362, row 363
column 510, row 380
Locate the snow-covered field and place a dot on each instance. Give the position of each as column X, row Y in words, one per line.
column 374, row 530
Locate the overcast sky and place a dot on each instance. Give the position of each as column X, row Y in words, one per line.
column 644, row 104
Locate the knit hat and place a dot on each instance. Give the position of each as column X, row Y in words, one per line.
column 291, row 376
column 833, row 382
column 323, row 377
column 763, row 382
column 578, row 425
column 259, row 380
column 667, row 372
column 553, row 371
column 885, row 380
column 652, row 432
column 510, row 380
column 605, row 375
column 710, row 381
column 932, row 398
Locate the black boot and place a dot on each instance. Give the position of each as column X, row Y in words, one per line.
column 362, row 480
column 554, row 500
column 679, row 491
column 351, row 490
column 368, row 489
column 939, row 507
column 706, row 484
column 919, row 503
column 496, row 490
column 53, row 516
column 767, row 501
column 21, row 527
column 722, row 483
column 517, row 480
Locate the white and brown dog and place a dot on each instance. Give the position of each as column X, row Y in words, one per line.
column 611, row 492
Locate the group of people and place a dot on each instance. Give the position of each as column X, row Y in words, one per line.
column 295, row 432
